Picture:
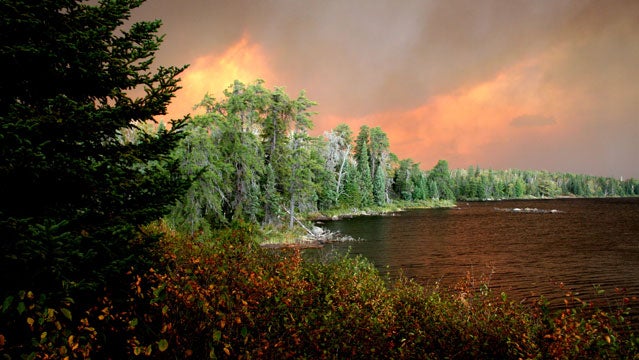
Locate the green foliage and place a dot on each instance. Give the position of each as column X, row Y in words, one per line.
column 259, row 164
column 252, row 156
column 403, row 184
column 478, row 184
column 326, row 179
column 353, row 194
column 201, row 159
column 73, row 191
column 80, row 168
column 379, row 164
column 379, row 187
column 337, row 156
column 362, row 158
column 227, row 297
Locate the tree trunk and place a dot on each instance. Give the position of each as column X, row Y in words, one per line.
column 291, row 212
column 340, row 174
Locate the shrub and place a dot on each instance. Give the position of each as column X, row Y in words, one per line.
column 229, row 298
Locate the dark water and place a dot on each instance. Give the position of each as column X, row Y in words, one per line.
column 588, row 244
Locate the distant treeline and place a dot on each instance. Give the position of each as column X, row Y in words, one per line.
column 476, row 183
column 253, row 159
column 484, row 184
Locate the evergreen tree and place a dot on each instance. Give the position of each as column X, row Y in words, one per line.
column 379, row 187
column 378, row 149
column 379, row 164
column 403, row 184
column 242, row 113
column 520, row 188
column 274, row 135
column 434, row 189
column 475, row 183
column 441, row 176
column 420, row 183
column 73, row 193
column 299, row 185
column 326, row 165
column 338, row 154
column 201, row 158
column 363, row 166
column 271, row 198
column 267, row 158
column 352, row 189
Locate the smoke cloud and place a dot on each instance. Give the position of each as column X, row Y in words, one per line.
column 532, row 121
column 472, row 82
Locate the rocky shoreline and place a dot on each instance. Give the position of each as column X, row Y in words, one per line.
column 317, row 240
column 321, row 217
column 317, row 237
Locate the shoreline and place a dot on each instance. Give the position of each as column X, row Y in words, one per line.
column 389, row 210
column 322, row 236
column 319, row 238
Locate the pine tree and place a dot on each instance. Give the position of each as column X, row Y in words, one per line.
column 73, row 193
column 338, row 154
column 441, row 176
column 363, row 167
column 201, row 158
column 403, row 184
column 379, row 164
column 352, row 191
column 379, row 186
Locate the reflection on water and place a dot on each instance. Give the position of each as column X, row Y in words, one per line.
column 588, row 243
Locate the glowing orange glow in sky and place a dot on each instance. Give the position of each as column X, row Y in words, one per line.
column 212, row 73
column 544, row 85
column 462, row 123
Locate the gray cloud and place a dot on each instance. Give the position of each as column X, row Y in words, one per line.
column 532, row 121
column 363, row 56
column 359, row 57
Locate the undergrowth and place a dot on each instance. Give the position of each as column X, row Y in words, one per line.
column 226, row 297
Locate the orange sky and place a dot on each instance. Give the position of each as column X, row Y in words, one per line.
column 507, row 84
column 212, row 73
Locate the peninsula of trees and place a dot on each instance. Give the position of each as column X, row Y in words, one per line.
column 253, row 159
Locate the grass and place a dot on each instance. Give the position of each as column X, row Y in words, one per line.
column 395, row 206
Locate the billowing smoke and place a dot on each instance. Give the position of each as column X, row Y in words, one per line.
column 569, row 65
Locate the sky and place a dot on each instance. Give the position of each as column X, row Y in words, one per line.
column 502, row 84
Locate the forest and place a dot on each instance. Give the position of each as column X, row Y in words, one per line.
column 255, row 161
column 122, row 238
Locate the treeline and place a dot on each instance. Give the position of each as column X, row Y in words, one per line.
column 253, row 159
column 413, row 183
column 475, row 183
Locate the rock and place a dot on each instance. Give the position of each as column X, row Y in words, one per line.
column 317, row 231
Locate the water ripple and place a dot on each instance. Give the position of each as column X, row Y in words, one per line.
column 586, row 244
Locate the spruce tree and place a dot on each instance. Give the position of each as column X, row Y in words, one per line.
column 363, row 167
column 73, row 193
column 441, row 176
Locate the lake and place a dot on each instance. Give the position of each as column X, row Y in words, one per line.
column 525, row 248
